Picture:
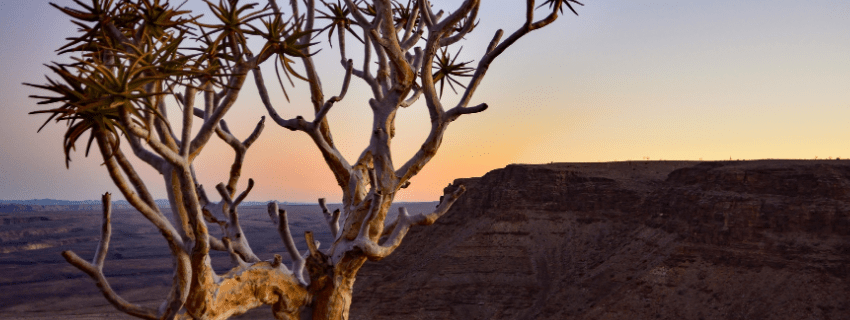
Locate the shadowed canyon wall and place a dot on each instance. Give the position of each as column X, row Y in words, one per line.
column 628, row 240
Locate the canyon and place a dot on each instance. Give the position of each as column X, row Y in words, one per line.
column 765, row 239
column 628, row 240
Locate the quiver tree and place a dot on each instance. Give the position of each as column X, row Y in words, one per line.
column 133, row 55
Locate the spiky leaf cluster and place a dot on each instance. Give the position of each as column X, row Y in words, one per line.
column 560, row 5
column 93, row 99
column 231, row 32
column 126, row 49
column 338, row 18
column 403, row 13
column 284, row 40
column 448, row 69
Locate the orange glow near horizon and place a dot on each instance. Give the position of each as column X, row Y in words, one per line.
column 625, row 80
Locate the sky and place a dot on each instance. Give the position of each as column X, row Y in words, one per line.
column 624, row 80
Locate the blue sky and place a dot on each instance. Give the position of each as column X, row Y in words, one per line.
column 664, row 79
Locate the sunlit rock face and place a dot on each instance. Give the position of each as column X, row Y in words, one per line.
column 628, row 240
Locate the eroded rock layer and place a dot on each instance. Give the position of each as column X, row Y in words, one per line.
column 628, row 240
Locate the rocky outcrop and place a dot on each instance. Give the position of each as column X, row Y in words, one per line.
column 628, row 240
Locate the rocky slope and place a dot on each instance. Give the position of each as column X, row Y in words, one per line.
column 628, row 240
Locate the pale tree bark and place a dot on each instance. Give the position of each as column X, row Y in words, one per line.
column 132, row 66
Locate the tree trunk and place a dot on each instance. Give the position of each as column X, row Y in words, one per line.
column 334, row 291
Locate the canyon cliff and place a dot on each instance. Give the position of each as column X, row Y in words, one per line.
column 627, row 240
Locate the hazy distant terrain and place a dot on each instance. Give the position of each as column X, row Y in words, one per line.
column 37, row 283
column 65, row 205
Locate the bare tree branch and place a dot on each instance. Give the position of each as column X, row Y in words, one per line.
column 135, row 180
column 331, row 218
column 188, row 108
column 244, row 194
column 427, row 15
column 495, row 48
column 320, row 116
column 365, row 74
column 164, row 151
column 234, row 257
column 236, row 82
column 466, row 29
column 160, row 222
column 288, row 241
column 255, row 134
column 106, row 231
column 155, row 161
column 95, row 268
column 408, row 30
column 402, row 225
column 291, row 124
column 390, row 42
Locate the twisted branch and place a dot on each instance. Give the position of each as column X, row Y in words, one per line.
column 331, row 218
column 95, row 268
column 286, row 235
column 401, row 226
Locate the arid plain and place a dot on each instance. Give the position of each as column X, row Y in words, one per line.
column 37, row 283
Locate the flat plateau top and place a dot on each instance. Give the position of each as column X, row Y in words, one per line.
column 659, row 169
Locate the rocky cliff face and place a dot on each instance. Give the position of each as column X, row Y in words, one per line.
column 628, row 240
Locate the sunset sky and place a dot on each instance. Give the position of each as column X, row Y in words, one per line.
column 626, row 79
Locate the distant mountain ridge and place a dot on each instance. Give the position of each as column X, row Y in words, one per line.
column 50, row 202
column 60, row 205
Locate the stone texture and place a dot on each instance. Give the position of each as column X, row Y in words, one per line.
column 628, row 240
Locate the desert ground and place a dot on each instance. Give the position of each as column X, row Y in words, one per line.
column 37, row 283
